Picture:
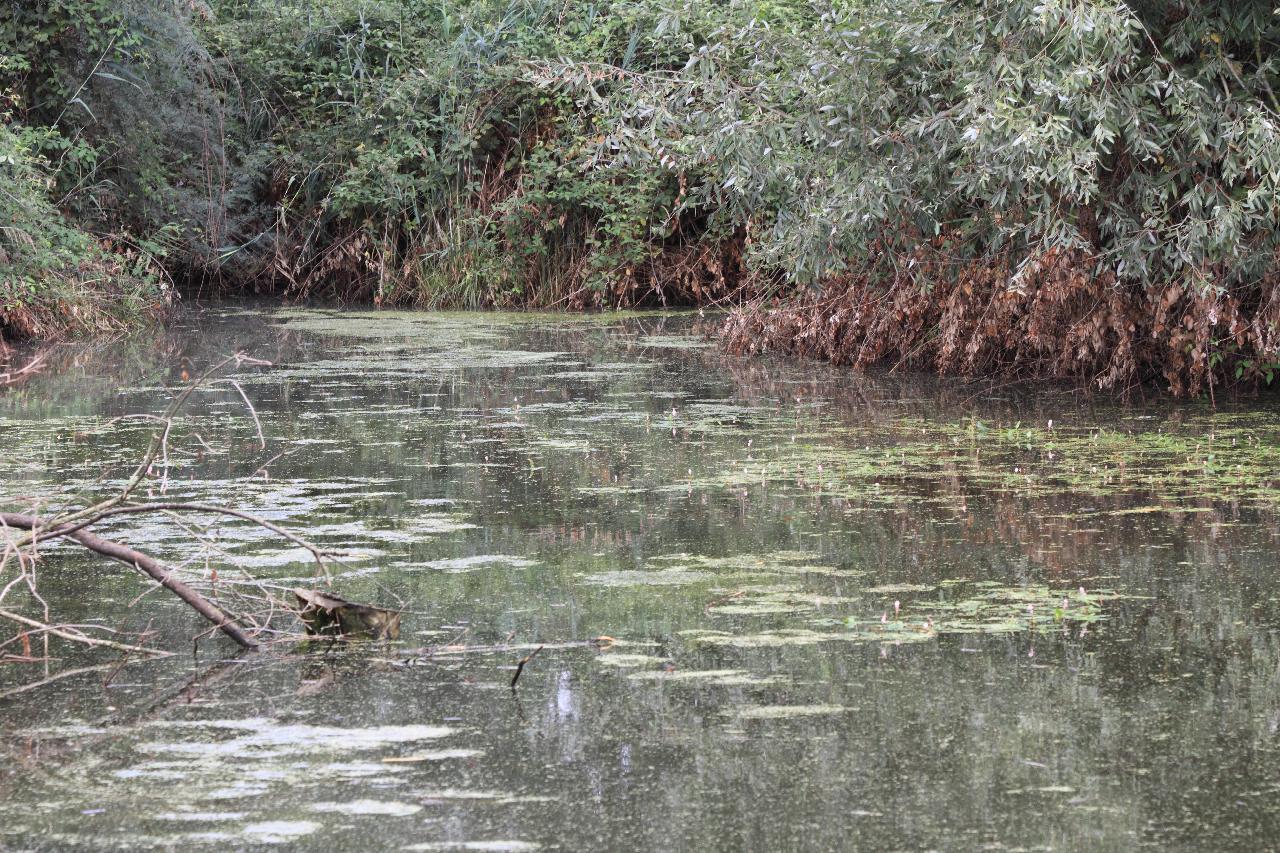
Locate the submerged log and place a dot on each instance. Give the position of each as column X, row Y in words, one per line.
column 330, row 615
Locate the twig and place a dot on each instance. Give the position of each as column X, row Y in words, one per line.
column 66, row 673
column 72, row 523
column 80, row 638
column 724, row 599
column 520, row 665
column 262, row 469
column 159, row 443
column 78, row 628
column 262, row 440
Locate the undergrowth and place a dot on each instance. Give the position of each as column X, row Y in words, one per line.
column 56, row 277
column 1083, row 189
column 425, row 157
column 117, row 175
column 1079, row 189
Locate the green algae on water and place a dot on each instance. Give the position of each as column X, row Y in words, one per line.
column 785, row 712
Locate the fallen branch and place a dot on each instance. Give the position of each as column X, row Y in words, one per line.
column 140, row 561
column 188, row 506
column 77, row 637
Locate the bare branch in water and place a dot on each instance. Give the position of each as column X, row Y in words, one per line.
column 189, row 506
column 521, row 664
column 73, row 525
column 262, row 439
column 78, row 637
column 144, row 563
column 21, row 374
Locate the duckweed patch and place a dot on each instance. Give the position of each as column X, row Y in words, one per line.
column 673, row 342
column 433, row 755
column 658, row 577
column 988, row 609
column 494, row 846
column 498, row 798
column 681, row 569
column 278, row 831
column 765, row 639
column 1010, row 609
column 784, row 712
column 457, row 565
column 714, row 677
column 628, row 661
column 355, row 808
column 890, row 588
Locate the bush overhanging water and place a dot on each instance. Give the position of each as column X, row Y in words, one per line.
column 1073, row 188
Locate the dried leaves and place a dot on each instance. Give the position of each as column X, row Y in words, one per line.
column 1053, row 320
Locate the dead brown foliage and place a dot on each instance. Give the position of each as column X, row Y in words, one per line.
column 359, row 267
column 1055, row 320
column 697, row 273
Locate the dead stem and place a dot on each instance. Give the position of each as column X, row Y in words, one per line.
column 76, row 637
column 521, row 664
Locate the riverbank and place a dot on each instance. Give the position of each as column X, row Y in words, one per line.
column 1080, row 191
column 56, row 277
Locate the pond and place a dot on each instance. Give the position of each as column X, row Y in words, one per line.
column 782, row 606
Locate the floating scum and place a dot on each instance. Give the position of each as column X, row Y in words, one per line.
column 786, row 451
column 825, row 456
column 754, row 575
column 837, row 605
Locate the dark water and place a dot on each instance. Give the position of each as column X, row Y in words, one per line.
column 847, row 613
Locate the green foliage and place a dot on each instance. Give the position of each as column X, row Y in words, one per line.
column 585, row 152
column 1149, row 143
column 131, row 116
column 55, row 49
column 1144, row 137
column 423, row 152
column 67, row 261
column 54, row 276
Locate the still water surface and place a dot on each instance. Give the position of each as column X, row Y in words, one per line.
column 849, row 612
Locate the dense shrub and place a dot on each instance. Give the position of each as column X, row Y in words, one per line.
column 1082, row 189
column 424, row 155
column 1068, row 188
column 115, row 128
column 55, row 276
column 57, row 273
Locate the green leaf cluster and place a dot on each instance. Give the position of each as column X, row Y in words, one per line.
column 831, row 134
